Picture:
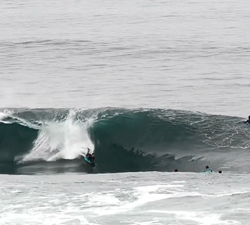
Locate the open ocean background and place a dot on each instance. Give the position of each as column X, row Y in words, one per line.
column 149, row 86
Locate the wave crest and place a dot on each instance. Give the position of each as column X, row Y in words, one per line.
column 125, row 140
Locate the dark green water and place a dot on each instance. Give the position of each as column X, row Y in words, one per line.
column 123, row 140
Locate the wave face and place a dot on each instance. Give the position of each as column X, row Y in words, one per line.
column 55, row 140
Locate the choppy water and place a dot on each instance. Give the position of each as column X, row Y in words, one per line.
column 147, row 85
column 133, row 198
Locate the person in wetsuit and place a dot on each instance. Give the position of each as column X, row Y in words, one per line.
column 248, row 121
column 208, row 170
column 90, row 157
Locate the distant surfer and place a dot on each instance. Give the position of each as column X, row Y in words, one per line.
column 248, row 121
column 208, row 170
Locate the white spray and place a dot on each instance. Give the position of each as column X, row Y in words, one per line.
column 3, row 116
column 68, row 139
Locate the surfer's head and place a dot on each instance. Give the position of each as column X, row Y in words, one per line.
column 207, row 167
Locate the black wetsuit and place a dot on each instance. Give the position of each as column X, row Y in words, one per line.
column 90, row 157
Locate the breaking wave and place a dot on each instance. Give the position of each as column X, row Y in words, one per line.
column 55, row 140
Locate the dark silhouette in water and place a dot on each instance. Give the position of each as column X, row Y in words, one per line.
column 248, row 121
column 208, row 169
column 90, row 157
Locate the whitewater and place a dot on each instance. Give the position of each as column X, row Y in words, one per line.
column 45, row 140
column 149, row 87
column 126, row 198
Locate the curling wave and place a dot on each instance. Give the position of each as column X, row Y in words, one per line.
column 55, row 140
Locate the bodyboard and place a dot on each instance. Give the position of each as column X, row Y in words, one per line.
column 90, row 163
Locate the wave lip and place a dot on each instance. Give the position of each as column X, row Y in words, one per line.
column 123, row 139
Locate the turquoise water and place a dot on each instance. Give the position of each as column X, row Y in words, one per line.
column 151, row 86
column 56, row 140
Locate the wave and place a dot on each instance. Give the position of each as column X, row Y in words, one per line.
column 55, row 140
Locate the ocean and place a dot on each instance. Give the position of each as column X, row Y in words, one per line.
column 149, row 87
